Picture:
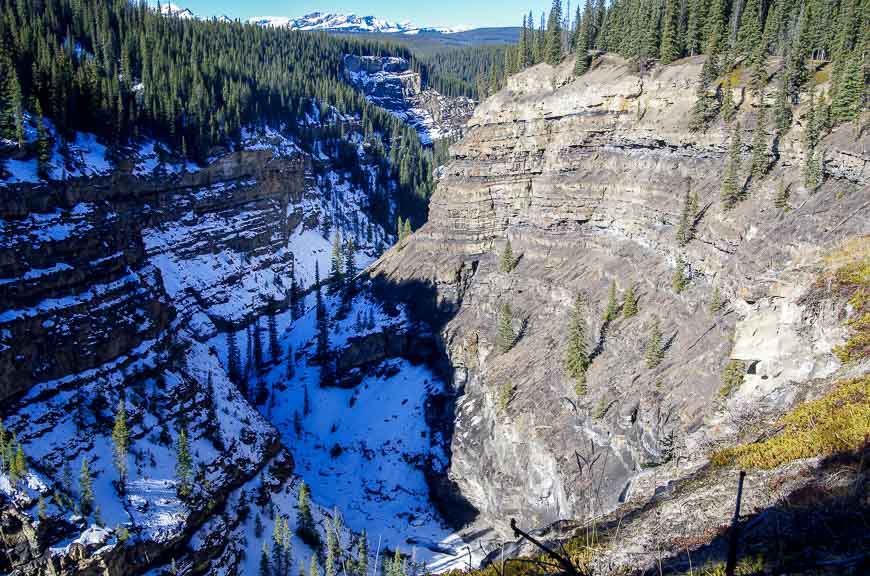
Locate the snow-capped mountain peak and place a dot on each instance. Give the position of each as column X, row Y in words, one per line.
column 334, row 22
column 170, row 9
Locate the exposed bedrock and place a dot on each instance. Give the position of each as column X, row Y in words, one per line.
column 587, row 178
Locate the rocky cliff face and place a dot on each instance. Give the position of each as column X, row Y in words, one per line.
column 391, row 84
column 587, row 178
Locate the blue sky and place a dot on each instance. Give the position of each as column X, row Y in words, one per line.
column 424, row 13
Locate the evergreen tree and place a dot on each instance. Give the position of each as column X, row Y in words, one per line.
column 780, row 201
column 749, row 31
column 43, row 144
column 576, row 357
column 274, row 344
column 782, row 111
column 686, row 228
column 265, row 567
column 506, row 336
column 86, row 492
column 336, row 274
column 629, row 306
column 258, row 346
column 291, row 363
column 331, row 552
column 669, row 49
column 850, row 91
column 18, row 469
column 314, row 570
column 581, row 62
column 406, row 229
column 362, row 557
column 277, row 546
column 553, row 46
column 287, row 562
column 233, row 357
column 716, row 303
column 759, row 146
column 612, row 309
column 121, row 441
column 678, row 279
column 654, row 353
column 183, row 464
column 4, row 456
column 507, row 258
column 350, row 270
column 729, row 108
column 731, row 193
column 304, row 520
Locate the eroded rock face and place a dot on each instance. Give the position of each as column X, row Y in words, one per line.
column 390, row 83
column 587, row 178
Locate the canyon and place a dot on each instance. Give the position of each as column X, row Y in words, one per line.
column 134, row 283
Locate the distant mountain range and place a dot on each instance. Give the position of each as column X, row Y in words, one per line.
column 333, row 22
column 429, row 37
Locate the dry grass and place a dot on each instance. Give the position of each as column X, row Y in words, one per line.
column 838, row 422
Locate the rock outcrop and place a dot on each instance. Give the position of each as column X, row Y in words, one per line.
column 587, row 177
column 390, row 83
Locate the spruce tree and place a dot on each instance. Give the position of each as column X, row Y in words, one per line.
column 780, row 201
column 4, row 457
column 576, row 356
column 782, row 110
column 553, row 46
column 121, row 441
column 233, row 357
column 277, row 546
column 612, row 309
column 331, row 552
column 274, row 344
column 669, row 49
column 716, row 303
column 850, row 90
column 506, row 336
column 19, row 464
column 581, row 62
column 183, row 464
column 629, row 306
column 304, row 520
column 758, row 166
column 362, row 557
column 686, row 228
column 406, row 229
column 678, row 279
column 507, row 258
column 43, row 145
column 654, row 353
column 86, row 492
column 315, row 569
column 336, row 274
column 729, row 108
column 265, row 567
column 730, row 193
column 350, row 270
column 258, row 346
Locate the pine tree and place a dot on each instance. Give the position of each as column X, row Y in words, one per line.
column 43, row 145
column 274, row 344
column 331, row 552
column 612, row 309
column 758, row 166
column 304, row 520
column 291, row 363
column 258, row 346
column 121, row 441
column 406, row 229
column 287, row 562
column 523, row 46
column 850, row 90
column 576, row 357
column 729, row 108
column 716, row 303
column 362, row 557
column 350, row 270
column 782, row 110
column 265, row 568
column 553, row 46
column 678, row 279
column 506, row 336
column 233, row 357
column 581, row 62
column 669, row 49
column 629, row 306
column 4, row 457
column 686, row 229
column 314, row 570
column 336, row 274
column 654, row 350
column 780, row 201
column 277, row 547
column 749, row 31
column 18, row 470
column 86, row 492
column 507, row 258
column 730, row 193
column 183, row 464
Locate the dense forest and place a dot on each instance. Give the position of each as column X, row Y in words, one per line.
column 805, row 35
column 123, row 71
